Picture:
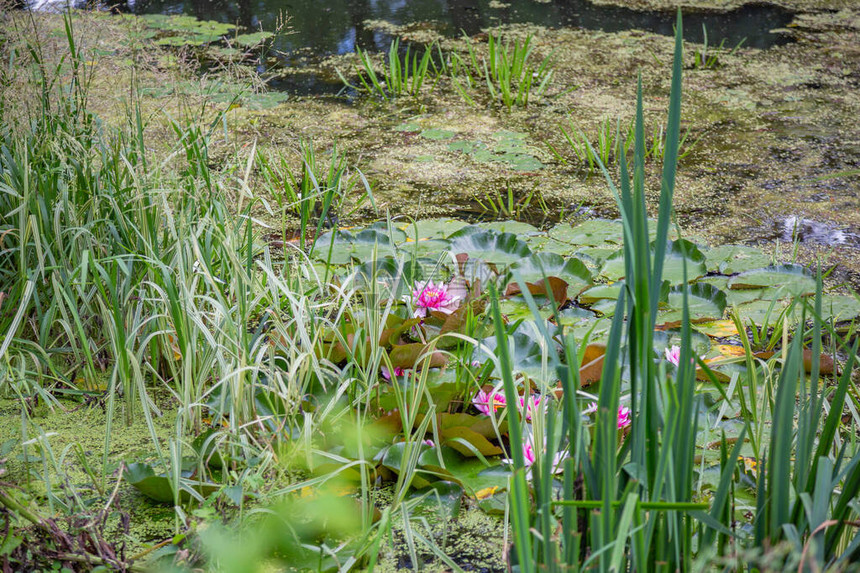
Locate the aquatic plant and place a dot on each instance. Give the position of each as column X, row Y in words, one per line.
column 428, row 297
column 399, row 76
column 507, row 71
column 707, row 58
column 300, row 378
column 605, row 145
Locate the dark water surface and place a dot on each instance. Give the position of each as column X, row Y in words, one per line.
column 336, row 26
column 321, row 28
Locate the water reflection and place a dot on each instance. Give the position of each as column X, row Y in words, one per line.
column 323, row 27
column 335, row 26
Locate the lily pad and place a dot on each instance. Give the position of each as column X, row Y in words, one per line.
column 252, row 40
column 731, row 259
column 791, row 279
column 592, row 233
column 677, row 254
column 525, row 354
column 489, row 246
column 544, row 265
column 158, row 487
column 515, row 227
column 436, row 133
column 601, row 292
column 431, row 228
column 706, row 302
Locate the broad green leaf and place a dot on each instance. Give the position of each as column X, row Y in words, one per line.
column 792, row 279
column 592, row 233
column 706, row 302
column 489, row 246
column 731, row 259
column 544, row 265
column 431, row 228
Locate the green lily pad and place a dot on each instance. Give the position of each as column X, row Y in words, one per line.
column 436, row 133
column 144, row 479
column 265, row 100
column 601, row 292
column 592, row 233
column 525, row 354
column 677, row 254
column 515, row 227
column 441, row 498
column 333, row 247
column 761, row 313
column 252, row 40
column 521, row 162
column 431, row 228
column 488, row 246
column 408, row 127
column 544, row 265
column 791, row 279
column 471, row 473
column 706, row 302
column 731, row 259
column 839, row 307
column 666, row 338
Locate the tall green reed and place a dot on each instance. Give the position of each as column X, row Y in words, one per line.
column 628, row 498
column 507, row 71
column 401, row 75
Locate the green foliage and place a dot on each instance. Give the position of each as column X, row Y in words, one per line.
column 400, row 77
column 307, row 372
column 508, row 72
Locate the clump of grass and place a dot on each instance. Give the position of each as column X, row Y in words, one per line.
column 400, row 75
column 508, row 71
column 318, row 194
column 637, row 504
column 605, row 145
column 707, row 58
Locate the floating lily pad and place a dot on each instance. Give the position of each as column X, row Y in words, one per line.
column 436, row 133
column 515, row 227
column 764, row 312
column 526, row 355
column 544, row 265
column 590, row 233
column 678, row 254
column 158, row 487
column 706, row 302
column 431, row 228
column 792, row 279
column 265, row 100
column 441, row 498
column 666, row 338
column 471, row 473
column 489, row 246
column 731, row 259
column 252, row 40
column 408, row 127
column 601, row 292
column 840, row 307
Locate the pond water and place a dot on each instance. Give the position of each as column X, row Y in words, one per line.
column 337, row 26
column 323, row 28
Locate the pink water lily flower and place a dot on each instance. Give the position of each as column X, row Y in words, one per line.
column 484, row 401
column 386, row 373
column 532, row 405
column 624, row 414
column 444, row 298
column 624, row 419
column 673, row 355
column 529, row 458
